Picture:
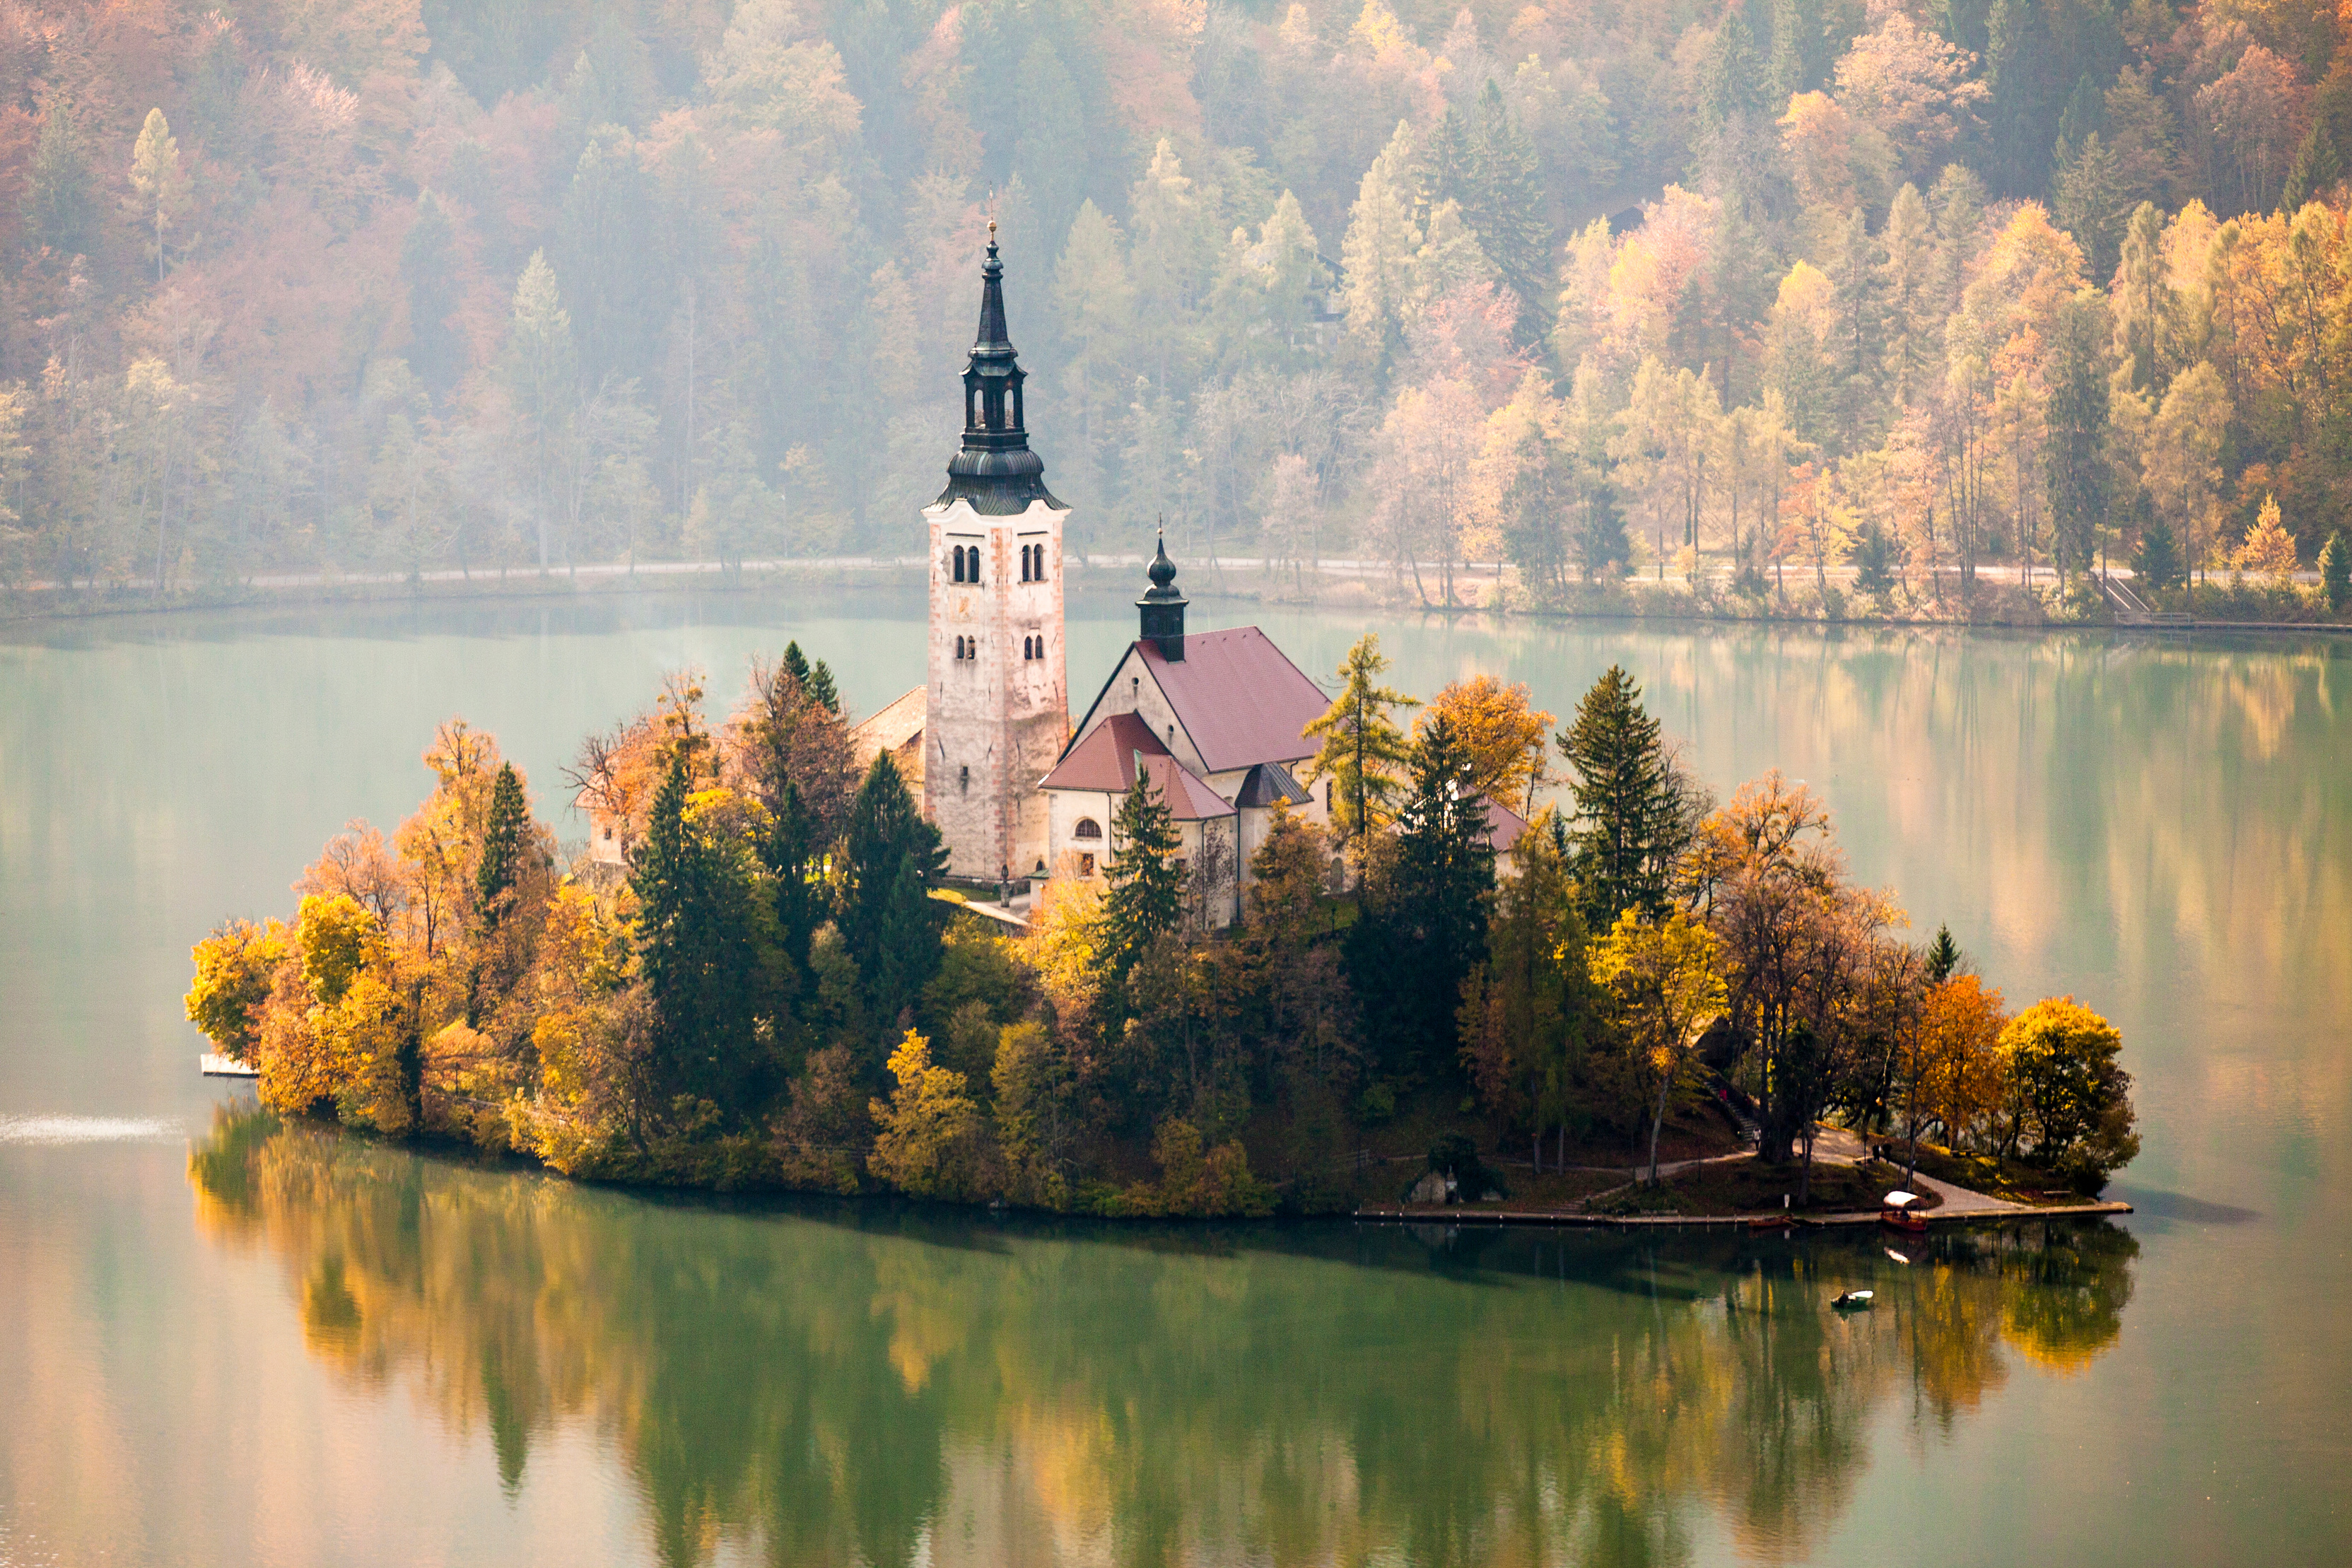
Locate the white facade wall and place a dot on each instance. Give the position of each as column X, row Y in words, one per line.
column 1133, row 690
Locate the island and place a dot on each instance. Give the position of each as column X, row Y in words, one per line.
column 758, row 973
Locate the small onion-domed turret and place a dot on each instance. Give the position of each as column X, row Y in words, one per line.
column 1163, row 607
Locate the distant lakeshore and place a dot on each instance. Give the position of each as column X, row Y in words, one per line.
column 2003, row 602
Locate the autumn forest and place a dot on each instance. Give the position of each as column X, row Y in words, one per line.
column 1927, row 298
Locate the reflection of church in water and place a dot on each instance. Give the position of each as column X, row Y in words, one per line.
column 1215, row 717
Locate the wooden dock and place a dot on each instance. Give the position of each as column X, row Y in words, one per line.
column 1468, row 1213
column 212, row 1064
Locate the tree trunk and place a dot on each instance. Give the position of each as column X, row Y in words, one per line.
column 1657, row 1121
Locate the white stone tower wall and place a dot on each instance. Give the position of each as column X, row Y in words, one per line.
column 1001, row 716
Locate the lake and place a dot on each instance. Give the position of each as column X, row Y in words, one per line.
column 226, row 1340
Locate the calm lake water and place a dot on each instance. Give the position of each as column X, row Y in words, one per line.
column 224, row 1341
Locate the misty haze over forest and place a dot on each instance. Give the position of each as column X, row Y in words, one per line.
column 392, row 286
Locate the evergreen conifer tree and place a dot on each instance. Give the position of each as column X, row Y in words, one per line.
column 1943, row 956
column 2156, row 563
column 2318, row 167
column 797, row 663
column 437, row 351
column 1630, row 824
column 821, row 687
column 699, row 952
column 2335, row 569
column 1790, row 68
column 1425, row 906
column 502, row 846
column 787, row 852
column 890, row 921
column 58, row 209
column 1597, row 537
column 1530, row 1011
column 1361, row 745
column 1448, row 169
column 610, row 274
column 2076, row 468
column 1147, row 890
column 1050, row 151
column 1856, row 345
column 1728, row 82
column 1507, row 207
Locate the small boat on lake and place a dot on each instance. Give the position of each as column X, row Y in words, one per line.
column 1773, row 1222
column 1852, row 1301
column 1902, row 1210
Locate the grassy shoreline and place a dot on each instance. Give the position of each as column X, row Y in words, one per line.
column 2001, row 606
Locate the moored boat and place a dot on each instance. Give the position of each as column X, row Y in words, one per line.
column 1902, row 1211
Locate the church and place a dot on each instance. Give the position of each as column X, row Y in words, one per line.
column 1216, row 718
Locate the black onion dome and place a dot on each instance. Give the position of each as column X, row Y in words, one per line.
column 994, row 470
column 1162, row 574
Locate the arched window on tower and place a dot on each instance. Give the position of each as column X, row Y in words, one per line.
column 1087, row 829
column 958, row 562
column 1038, row 574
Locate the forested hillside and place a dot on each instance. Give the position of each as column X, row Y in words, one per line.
column 393, row 285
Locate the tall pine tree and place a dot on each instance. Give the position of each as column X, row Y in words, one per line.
column 1147, row 890
column 1507, row 209
column 437, row 349
column 1424, row 926
column 1631, row 823
column 503, row 842
column 699, row 953
column 890, row 921
column 2077, row 467
column 789, row 855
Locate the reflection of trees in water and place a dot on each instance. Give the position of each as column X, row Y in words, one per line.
column 847, row 1389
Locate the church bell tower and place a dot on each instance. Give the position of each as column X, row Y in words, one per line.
column 997, row 708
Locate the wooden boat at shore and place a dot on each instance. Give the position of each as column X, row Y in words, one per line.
column 1901, row 1211
column 1773, row 1222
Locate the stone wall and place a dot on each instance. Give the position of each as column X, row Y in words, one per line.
column 995, row 721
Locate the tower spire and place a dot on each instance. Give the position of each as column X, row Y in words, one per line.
column 994, row 470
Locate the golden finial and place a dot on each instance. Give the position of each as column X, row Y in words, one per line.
column 992, row 231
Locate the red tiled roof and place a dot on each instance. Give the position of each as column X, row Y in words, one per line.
column 1239, row 697
column 1188, row 795
column 1105, row 761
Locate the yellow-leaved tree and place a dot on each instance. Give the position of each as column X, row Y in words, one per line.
column 1665, row 978
column 929, row 1139
column 1958, row 1078
column 157, row 180
column 2269, row 549
column 1503, row 730
column 235, row 969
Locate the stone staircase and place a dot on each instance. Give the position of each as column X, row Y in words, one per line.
column 2131, row 610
